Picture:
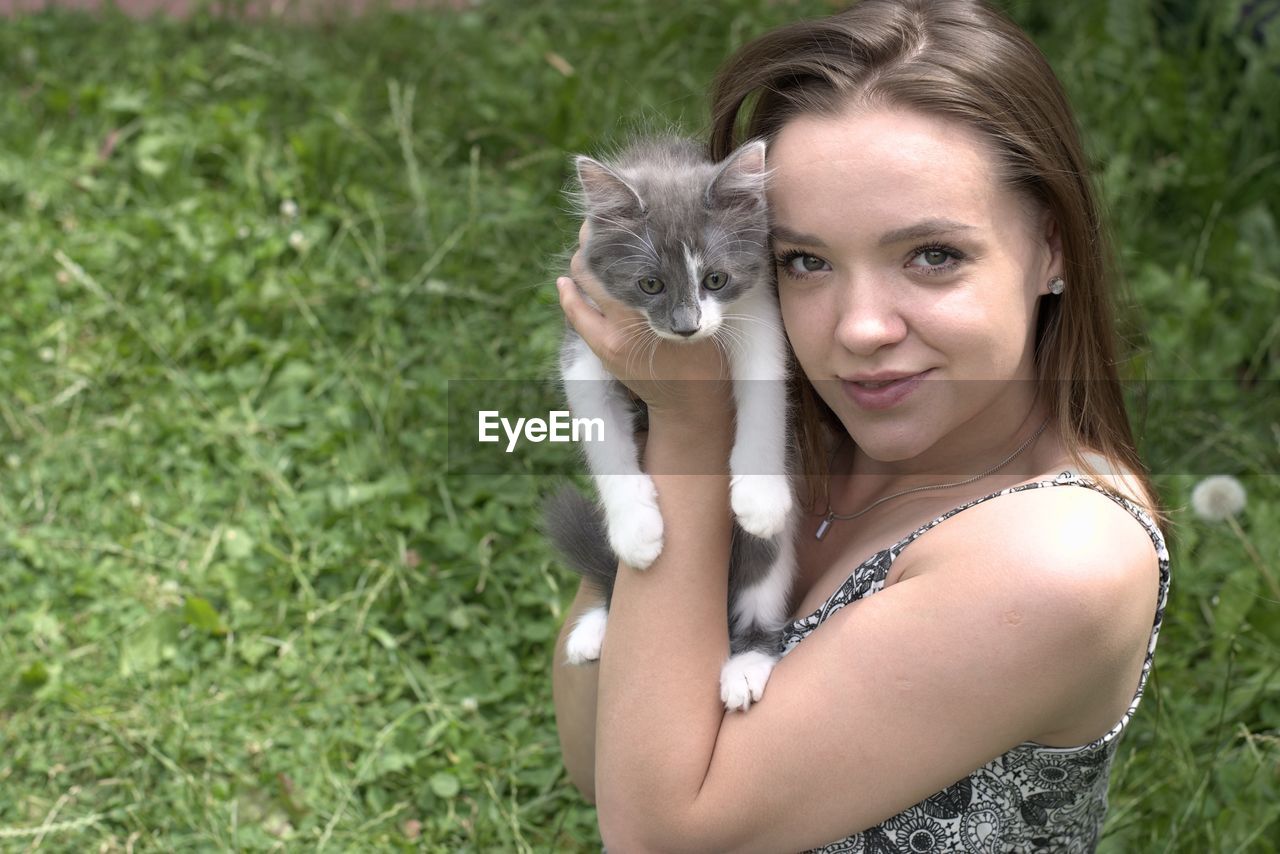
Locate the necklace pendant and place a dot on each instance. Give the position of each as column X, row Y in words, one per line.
column 822, row 528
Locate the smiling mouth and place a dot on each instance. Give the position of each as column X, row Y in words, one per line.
column 884, row 379
column 883, row 394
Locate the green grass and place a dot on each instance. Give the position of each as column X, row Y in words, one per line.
column 242, row 603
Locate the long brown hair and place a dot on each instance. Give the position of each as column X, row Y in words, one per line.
column 962, row 60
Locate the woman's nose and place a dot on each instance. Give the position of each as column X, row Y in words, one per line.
column 870, row 317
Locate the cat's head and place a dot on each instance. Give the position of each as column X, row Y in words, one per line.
column 675, row 235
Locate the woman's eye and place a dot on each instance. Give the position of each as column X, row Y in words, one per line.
column 936, row 259
column 800, row 264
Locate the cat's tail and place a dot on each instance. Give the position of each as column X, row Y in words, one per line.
column 576, row 528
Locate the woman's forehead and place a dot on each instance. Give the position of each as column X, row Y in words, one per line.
column 884, row 165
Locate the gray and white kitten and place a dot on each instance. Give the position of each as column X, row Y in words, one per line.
column 684, row 240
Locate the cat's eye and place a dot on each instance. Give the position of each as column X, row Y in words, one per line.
column 650, row 285
column 715, row 281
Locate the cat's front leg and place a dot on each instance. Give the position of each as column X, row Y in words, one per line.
column 761, row 502
column 587, row 638
column 743, row 677
column 760, row 490
column 628, row 495
column 763, row 575
column 631, row 513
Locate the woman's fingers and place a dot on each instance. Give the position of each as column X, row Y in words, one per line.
column 587, row 283
column 585, row 319
column 620, row 336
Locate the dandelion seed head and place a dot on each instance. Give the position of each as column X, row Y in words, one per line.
column 288, row 209
column 1218, row 498
column 469, row 704
column 297, row 241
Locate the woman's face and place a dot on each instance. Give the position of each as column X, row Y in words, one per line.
column 900, row 253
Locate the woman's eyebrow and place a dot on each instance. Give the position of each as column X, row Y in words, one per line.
column 922, row 229
column 786, row 235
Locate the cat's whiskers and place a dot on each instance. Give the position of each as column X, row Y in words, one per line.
column 721, row 238
column 767, row 324
column 645, row 242
column 728, row 335
column 644, row 338
column 637, row 331
column 732, row 240
column 624, row 245
column 641, row 258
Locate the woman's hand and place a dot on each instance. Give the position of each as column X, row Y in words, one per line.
column 684, row 382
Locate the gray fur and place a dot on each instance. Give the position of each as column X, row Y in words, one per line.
column 651, row 206
column 661, row 196
column 750, row 557
column 575, row 527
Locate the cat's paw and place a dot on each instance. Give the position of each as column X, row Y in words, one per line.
column 587, row 638
column 635, row 530
column 742, row 679
column 762, row 503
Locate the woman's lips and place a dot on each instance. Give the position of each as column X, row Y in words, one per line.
column 885, row 396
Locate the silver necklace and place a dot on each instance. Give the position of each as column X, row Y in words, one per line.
column 832, row 516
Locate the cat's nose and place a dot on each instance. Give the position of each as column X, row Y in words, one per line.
column 685, row 320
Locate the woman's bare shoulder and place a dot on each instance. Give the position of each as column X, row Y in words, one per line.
column 1118, row 479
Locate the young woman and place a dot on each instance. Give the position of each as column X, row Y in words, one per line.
column 961, row 691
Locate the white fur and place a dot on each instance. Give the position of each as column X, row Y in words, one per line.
column 693, row 264
column 632, row 516
column 743, row 677
column 760, row 491
column 711, row 317
column 760, row 488
column 764, row 604
column 628, row 495
column 587, row 638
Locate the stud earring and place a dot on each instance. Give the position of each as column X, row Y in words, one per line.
column 1057, row 285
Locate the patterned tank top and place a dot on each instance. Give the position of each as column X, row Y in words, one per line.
column 1032, row 798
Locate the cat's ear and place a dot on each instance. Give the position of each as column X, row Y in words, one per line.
column 740, row 180
column 605, row 192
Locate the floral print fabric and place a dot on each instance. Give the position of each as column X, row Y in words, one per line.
column 1032, row 798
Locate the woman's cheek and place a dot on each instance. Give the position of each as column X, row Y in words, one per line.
column 803, row 327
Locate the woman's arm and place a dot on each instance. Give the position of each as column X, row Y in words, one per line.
column 667, row 636
column 573, row 687
column 659, row 691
